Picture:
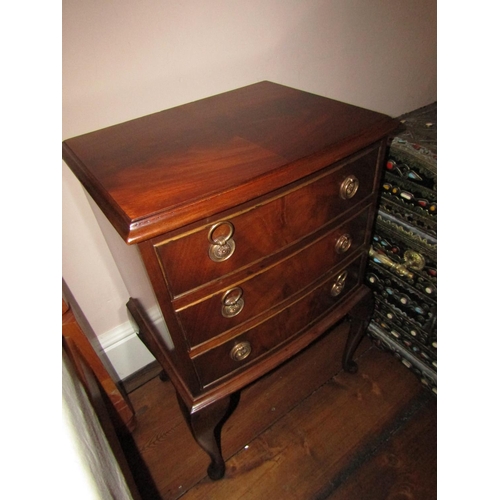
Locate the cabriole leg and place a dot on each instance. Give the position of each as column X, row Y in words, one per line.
column 206, row 425
column 359, row 316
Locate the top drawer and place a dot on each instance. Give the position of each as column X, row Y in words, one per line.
column 249, row 235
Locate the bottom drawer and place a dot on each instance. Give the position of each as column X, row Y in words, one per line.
column 293, row 320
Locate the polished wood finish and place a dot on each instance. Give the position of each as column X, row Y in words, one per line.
column 165, row 170
column 359, row 317
column 281, row 182
column 292, row 213
column 320, row 433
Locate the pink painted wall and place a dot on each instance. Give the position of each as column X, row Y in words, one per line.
column 123, row 59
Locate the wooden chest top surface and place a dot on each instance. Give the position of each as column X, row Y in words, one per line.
column 162, row 171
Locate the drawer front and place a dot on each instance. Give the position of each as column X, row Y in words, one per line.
column 296, row 318
column 237, row 303
column 250, row 235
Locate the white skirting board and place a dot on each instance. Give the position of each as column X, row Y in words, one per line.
column 124, row 350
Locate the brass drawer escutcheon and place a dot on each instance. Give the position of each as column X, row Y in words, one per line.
column 339, row 284
column 232, row 302
column 343, row 243
column 349, row 187
column 241, row 351
column 222, row 247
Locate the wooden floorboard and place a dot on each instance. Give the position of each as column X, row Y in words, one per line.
column 308, row 430
column 400, row 465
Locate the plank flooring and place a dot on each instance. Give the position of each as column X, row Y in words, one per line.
column 306, row 431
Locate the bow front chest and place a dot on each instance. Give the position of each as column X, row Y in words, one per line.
column 252, row 211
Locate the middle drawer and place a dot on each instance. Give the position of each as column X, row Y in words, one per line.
column 239, row 302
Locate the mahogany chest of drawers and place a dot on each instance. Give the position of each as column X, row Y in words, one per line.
column 253, row 212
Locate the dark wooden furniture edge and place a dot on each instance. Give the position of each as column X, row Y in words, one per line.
column 263, row 365
column 81, row 351
column 139, row 230
column 206, row 412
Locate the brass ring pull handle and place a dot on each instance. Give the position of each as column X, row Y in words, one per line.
column 222, row 247
column 343, row 243
column 349, row 187
column 241, row 351
column 339, row 284
column 232, row 302
column 399, row 269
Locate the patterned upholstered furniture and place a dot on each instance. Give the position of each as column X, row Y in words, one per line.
column 402, row 269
